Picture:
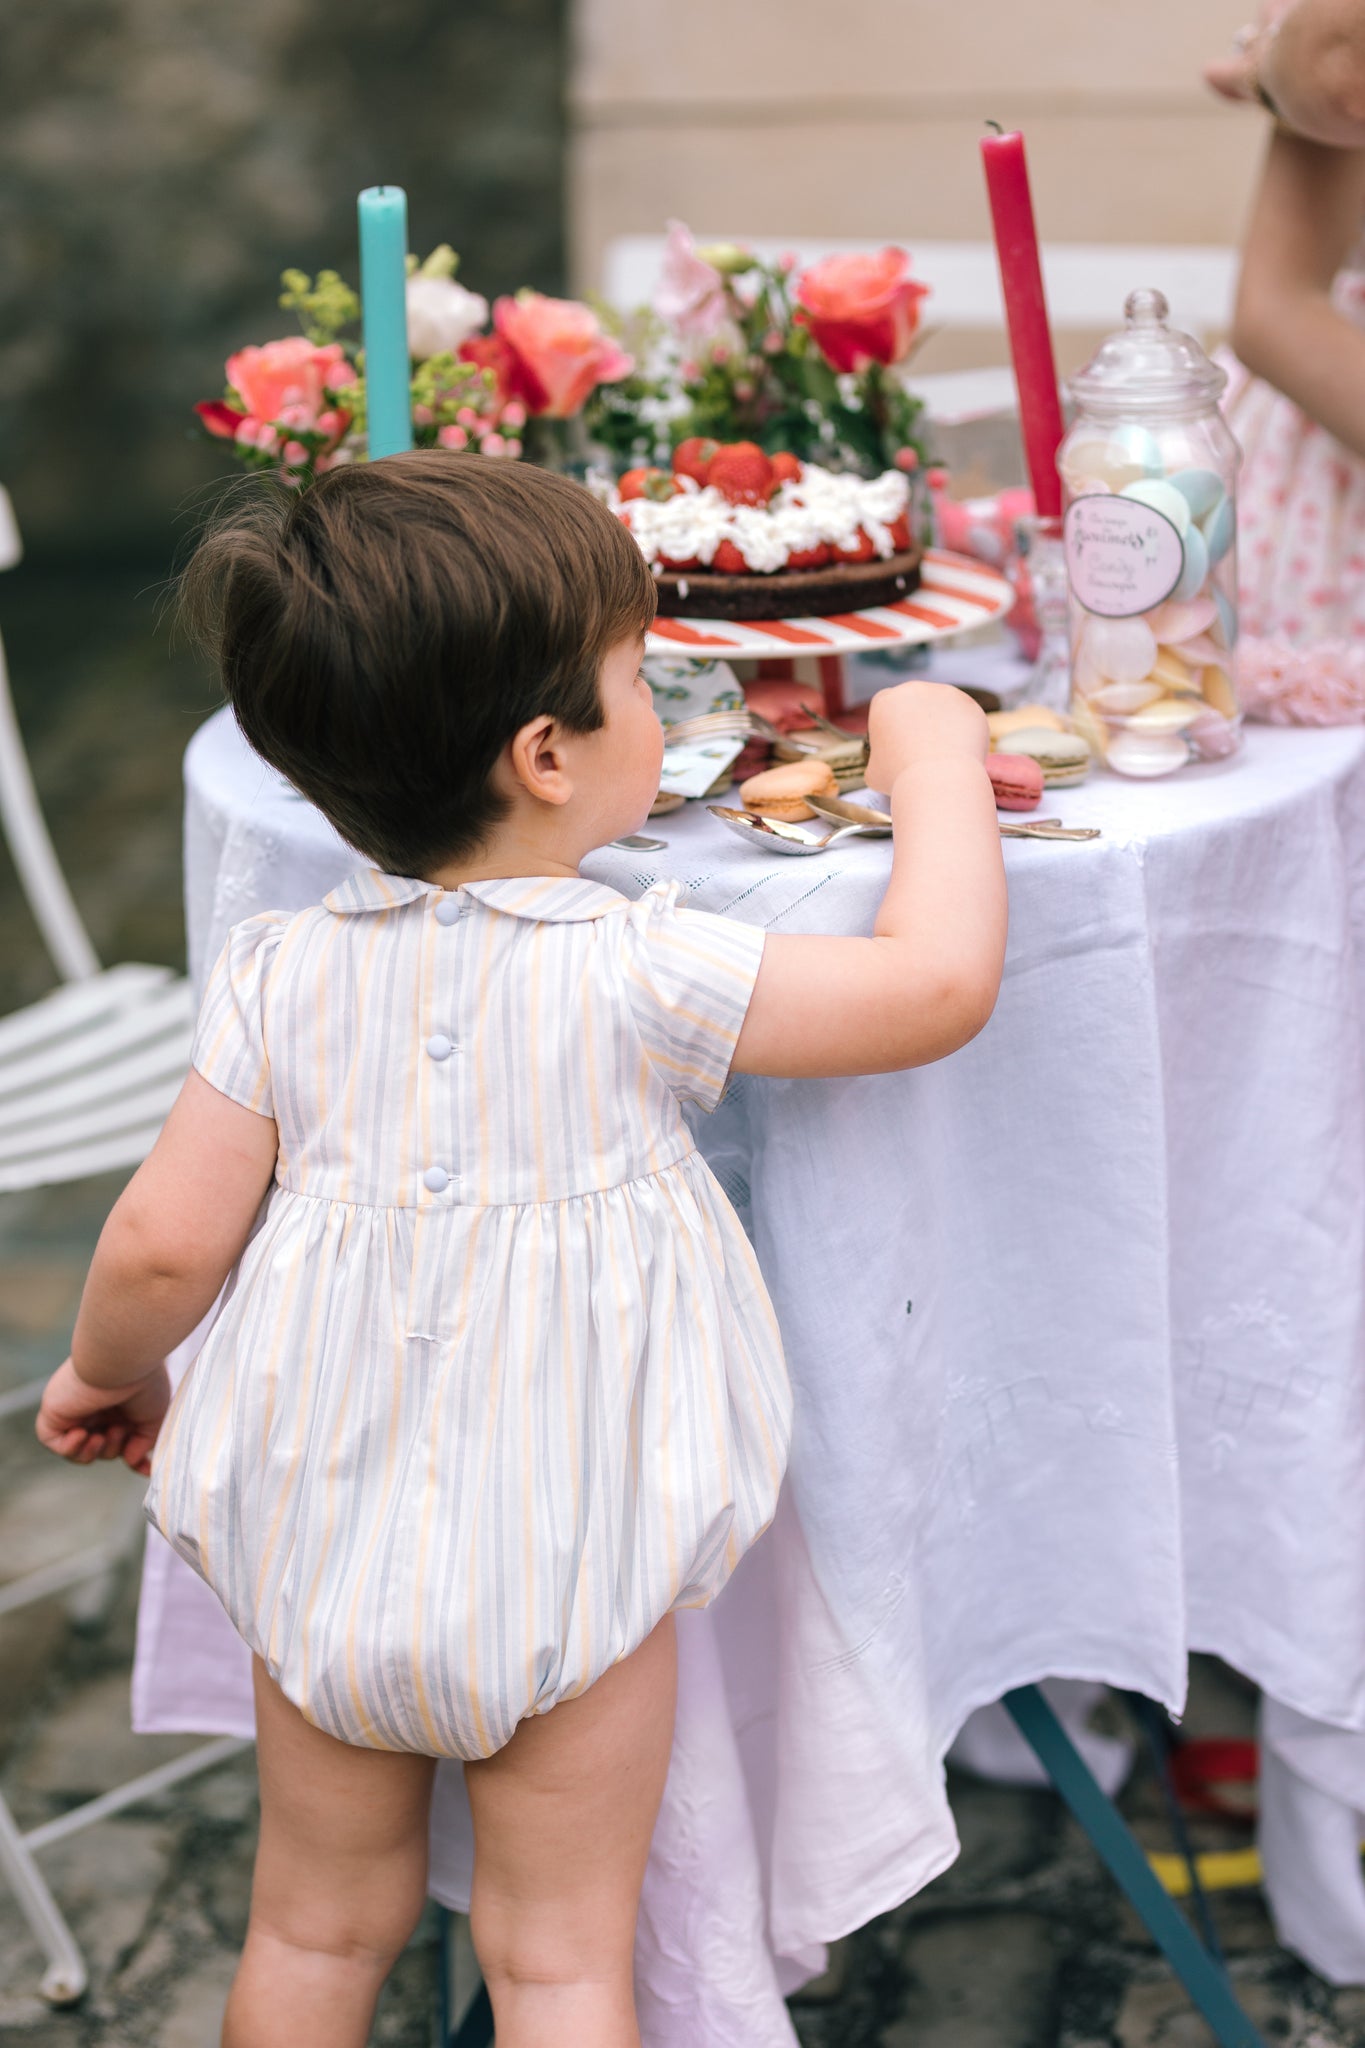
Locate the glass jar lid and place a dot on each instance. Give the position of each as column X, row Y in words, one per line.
column 1148, row 365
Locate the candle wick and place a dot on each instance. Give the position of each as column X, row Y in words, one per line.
column 996, row 126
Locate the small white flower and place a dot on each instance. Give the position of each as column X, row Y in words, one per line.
column 441, row 315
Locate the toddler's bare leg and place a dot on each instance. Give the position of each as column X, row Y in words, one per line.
column 341, row 1874
column 562, row 1823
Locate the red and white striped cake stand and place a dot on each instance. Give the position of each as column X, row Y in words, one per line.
column 954, row 594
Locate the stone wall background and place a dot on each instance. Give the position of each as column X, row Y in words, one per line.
column 161, row 161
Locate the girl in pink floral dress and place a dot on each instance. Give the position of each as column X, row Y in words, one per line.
column 1296, row 402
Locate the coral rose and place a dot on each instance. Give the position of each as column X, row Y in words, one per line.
column 556, row 353
column 861, row 309
column 294, row 373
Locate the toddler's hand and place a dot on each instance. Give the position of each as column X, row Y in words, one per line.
column 917, row 722
column 85, row 1423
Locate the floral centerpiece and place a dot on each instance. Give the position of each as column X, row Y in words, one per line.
column 803, row 362
column 298, row 404
column 733, row 349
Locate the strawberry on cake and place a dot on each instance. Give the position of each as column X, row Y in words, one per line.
column 733, row 533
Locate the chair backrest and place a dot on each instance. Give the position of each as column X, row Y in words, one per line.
column 1086, row 282
column 21, row 816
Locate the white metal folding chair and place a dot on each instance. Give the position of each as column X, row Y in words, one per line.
column 87, row 1075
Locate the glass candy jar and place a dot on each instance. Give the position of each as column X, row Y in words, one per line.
column 1149, row 470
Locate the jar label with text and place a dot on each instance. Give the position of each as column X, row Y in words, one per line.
column 1122, row 557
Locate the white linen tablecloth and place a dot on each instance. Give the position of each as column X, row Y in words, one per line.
column 1074, row 1321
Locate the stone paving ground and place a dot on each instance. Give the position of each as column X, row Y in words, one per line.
column 1022, row 1944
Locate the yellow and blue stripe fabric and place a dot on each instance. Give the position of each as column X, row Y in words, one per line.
column 496, row 1383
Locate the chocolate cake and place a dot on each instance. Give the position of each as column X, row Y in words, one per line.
column 789, row 593
column 772, row 538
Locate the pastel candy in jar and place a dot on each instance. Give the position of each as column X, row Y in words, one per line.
column 1195, row 573
column 1109, row 461
column 1200, row 488
column 1219, row 528
column 1150, row 471
column 1164, row 498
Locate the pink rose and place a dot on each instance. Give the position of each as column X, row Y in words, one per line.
column 293, row 376
column 554, row 353
column 690, row 294
column 861, row 309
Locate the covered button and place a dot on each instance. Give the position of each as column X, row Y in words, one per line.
column 439, row 1046
column 436, row 1179
column 447, row 909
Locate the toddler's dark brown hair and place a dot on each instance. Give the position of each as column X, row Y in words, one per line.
column 383, row 633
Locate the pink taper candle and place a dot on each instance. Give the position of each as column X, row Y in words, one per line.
column 1021, row 277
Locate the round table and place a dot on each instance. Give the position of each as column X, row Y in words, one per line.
column 1074, row 1319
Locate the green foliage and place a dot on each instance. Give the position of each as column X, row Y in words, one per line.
column 442, row 262
column 324, row 307
column 617, row 420
column 765, row 381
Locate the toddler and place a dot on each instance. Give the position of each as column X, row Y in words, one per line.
column 494, row 1385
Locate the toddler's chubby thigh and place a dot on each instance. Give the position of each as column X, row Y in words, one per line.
column 563, row 1817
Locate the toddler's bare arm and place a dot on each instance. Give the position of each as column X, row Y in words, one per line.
column 926, row 982
column 173, row 1237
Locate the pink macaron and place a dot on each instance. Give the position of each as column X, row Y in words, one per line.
column 1016, row 780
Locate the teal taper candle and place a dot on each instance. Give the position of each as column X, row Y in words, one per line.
column 383, row 212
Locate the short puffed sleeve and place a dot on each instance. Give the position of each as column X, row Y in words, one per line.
column 230, row 1041
column 689, row 979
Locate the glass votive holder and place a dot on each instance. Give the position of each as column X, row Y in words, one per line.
column 1042, row 556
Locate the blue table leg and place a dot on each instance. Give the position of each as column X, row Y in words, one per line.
column 1201, row 1976
column 476, row 2028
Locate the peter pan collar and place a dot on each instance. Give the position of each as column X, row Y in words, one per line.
column 542, row 899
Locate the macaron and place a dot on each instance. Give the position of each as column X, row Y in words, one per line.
column 781, row 792
column 1017, row 781
column 1063, row 757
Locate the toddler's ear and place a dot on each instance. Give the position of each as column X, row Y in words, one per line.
column 536, row 761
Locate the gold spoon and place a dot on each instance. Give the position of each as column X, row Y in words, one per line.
column 838, row 808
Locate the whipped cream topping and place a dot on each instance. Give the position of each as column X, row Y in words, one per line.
column 822, row 506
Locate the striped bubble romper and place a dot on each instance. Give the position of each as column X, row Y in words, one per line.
column 496, row 1383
